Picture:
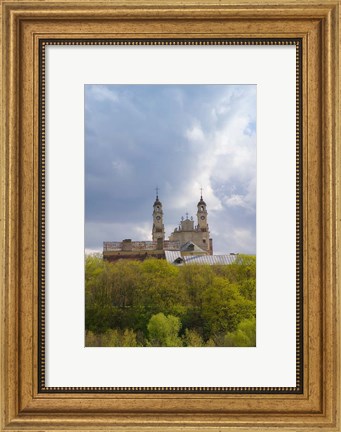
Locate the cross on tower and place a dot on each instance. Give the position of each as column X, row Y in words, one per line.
column 157, row 192
column 201, row 192
column 186, row 215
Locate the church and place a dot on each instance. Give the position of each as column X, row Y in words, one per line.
column 186, row 233
column 187, row 240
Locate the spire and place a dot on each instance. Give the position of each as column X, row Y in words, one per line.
column 158, row 231
column 201, row 202
column 157, row 201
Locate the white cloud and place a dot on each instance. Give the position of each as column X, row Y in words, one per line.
column 246, row 201
column 143, row 231
column 224, row 163
column 103, row 93
column 195, row 134
column 121, row 167
column 93, row 251
column 225, row 154
column 236, row 201
column 244, row 238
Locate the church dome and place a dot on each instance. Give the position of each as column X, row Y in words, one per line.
column 157, row 201
column 201, row 202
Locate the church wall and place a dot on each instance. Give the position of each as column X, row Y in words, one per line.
column 113, row 256
column 196, row 237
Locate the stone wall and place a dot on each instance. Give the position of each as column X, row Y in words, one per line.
column 200, row 238
column 129, row 245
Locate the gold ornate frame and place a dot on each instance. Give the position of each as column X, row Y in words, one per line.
column 25, row 25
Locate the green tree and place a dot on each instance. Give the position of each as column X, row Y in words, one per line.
column 129, row 338
column 111, row 338
column 200, row 305
column 224, row 308
column 244, row 336
column 163, row 330
column 91, row 339
column 193, row 339
column 160, row 289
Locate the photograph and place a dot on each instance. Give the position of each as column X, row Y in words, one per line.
column 170, row 215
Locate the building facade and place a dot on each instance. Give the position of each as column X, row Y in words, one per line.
column 158, row 231
column 187, row 239
column 137, row 250
column 198, row 234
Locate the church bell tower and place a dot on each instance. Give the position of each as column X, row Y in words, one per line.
column 158, row 227
column 202, row 215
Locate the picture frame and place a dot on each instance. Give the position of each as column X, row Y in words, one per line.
column 24, row 406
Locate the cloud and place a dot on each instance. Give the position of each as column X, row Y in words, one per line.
column 181, row 138
column 195, row 134
column 103, row 93
column 235, row 201
column 143, row 231
column 93, row 251
column 243, row 237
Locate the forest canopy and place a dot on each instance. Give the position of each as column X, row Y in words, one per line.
column 157, row 304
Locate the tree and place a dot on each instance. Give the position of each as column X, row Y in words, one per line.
column 163, row 330
column 244, row 336
column 161, row 289
column 193, row 339
column 154, row 303
column 224, row 308
column 91, row 340
column 129, row 338
column 111, row 338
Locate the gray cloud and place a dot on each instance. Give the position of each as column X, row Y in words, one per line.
column 179, row 137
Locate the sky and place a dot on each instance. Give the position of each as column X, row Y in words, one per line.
column 179, row 138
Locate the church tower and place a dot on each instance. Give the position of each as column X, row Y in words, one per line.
column 202, row 215
column 158, row 227
column 197, row 237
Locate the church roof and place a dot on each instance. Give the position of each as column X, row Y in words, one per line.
column 211, row 259
column 191, row 247
column 174, row 257
column 157, row 201
column 201, row 202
